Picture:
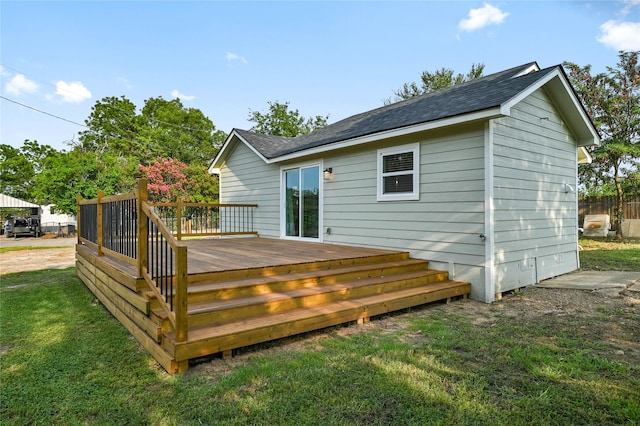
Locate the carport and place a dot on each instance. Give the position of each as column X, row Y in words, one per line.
column 11, row 206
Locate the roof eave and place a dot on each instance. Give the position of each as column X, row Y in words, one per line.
column 227, row 146
column 486, row 114
column 561, row 92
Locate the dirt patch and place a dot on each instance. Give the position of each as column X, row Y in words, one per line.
column 46, row 254
column 611, row 319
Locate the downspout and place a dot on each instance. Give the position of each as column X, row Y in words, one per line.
column 489, row 219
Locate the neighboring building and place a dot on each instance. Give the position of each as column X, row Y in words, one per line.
column 49, row 222
column 50, row 217
column 479, row 178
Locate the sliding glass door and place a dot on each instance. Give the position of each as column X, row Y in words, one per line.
column 301, row 214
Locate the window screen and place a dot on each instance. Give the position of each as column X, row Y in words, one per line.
column 398, row 173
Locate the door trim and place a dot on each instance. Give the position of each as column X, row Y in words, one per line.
column 283, row 217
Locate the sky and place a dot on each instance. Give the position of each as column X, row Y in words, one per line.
column 335, row 58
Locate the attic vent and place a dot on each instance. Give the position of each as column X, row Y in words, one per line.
column 533, row 68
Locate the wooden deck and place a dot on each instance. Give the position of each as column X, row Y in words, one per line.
column 244, row 291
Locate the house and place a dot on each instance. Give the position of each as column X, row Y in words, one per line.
column 479, row 178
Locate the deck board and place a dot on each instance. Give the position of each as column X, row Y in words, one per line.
column 227, row 254
column 223, row 254
column 243, row 291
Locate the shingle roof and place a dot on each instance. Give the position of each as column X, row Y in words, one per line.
column 476, row 95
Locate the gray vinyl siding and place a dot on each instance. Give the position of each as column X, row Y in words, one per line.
column 246, row 179
column 535, row 234
column 442, row 226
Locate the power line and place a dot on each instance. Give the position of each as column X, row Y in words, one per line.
column 177, row 126
column 43, row 112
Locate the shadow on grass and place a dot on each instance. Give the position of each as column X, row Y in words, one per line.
column 65, row 360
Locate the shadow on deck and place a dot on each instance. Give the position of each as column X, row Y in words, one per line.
column 243, row 291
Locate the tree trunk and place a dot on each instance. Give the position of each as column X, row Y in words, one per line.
column 620, row 205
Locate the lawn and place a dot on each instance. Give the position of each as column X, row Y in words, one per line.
column 600, row 254
column 65, row 360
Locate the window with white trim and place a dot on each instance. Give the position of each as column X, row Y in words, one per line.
column 398, row 173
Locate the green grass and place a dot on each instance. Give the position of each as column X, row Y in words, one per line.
column 607, row 255
column 23, row 248
column 65, row 360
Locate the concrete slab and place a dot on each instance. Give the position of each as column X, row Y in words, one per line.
column 594, row 280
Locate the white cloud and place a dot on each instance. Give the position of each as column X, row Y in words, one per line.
column 20, row 84
column 124, row 83
column 73, row 92
column 629, row 4
column 482, row 17
column 620, row 35
column 231, row 57
column 177, row 94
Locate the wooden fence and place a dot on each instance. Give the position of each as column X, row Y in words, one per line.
column 608, row 205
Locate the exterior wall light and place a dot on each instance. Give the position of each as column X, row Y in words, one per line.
column 327, row 173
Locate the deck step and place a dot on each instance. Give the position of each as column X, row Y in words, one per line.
column 213, row 339
column 268, row 303
column 224, row 290
column 266, row 271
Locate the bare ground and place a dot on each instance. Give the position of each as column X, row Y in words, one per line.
column 48, row 253
column 610, row 319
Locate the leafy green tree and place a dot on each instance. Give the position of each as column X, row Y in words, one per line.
column 108, row 154
column 280, row 121
column 112, row 127
column 169, row 130
column 68, row 174
column 612, row 100
column 203, row 187
column 430, row 81
column 20, row 166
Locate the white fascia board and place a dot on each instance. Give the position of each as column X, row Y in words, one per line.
column 506, row 107
column 474, row 116
column 583, row 156
column 228, row 144
column 578, row 120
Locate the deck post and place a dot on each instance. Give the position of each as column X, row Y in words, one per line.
column 78, row 218
column 181, row 295
column 100, row 227
column 143, row 226
column 179, row 219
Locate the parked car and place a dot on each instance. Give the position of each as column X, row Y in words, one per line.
column 22, row 225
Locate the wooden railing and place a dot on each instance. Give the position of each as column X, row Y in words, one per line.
column 109, row 224
column 129, row 228
column 206, row 219
column 163, row 265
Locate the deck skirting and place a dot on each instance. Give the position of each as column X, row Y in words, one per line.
column 321, row 286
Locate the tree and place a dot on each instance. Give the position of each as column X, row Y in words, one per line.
column 119, row 140
column 612, row 100
column 69, row 174
column 170, row 130
column 169, row 179
column 112, row 127
column 440, row 79
column 280, row 121
column 20, row 166
column 162, row 129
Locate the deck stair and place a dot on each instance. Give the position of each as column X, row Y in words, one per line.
column 223, row 287
column 233, row 309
